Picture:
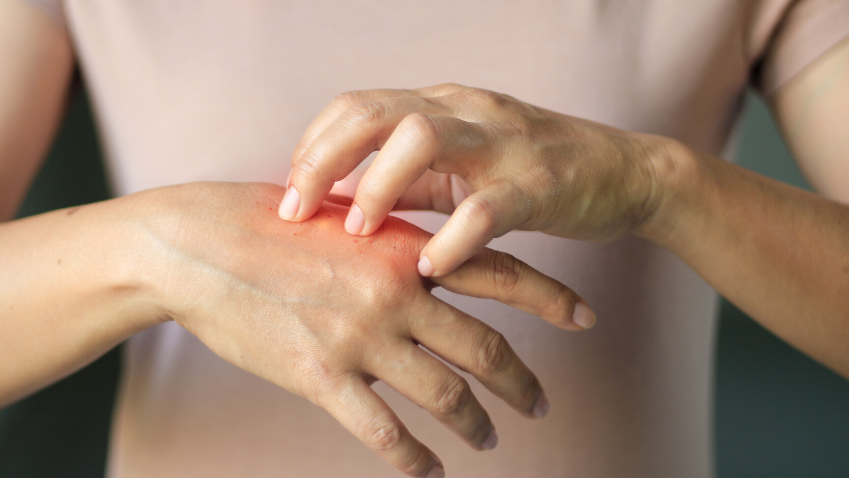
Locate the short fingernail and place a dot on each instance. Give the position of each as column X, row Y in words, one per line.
column 541, row 408
column 291, row 203
column 491, row 440
column 355, row 220
column 436, row 472
column 583, row 316
column 425, row 267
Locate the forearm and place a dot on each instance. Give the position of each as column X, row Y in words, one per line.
column 777, row 252
column 72, row 285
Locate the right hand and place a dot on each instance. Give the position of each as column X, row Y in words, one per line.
column 323, row 314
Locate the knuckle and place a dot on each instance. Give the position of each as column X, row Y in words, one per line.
column 485, row 98
column 369, row 192
column 506, row 271
column 319, row 381
column 384, row 437
column 493, row 354
column 348, row 99
column 453, row 397
column 479, row 212
column 420, row 129
column 380, row 292
column 448, row 86
column 557, row 306
column 309, row 167
column 369, row 112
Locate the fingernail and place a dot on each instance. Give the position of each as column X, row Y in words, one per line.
column 355, row 220
column 541, row 408
column 291, row 203
column 436, row 472
column 425, row 267
column 491, row 440
column 583, row 316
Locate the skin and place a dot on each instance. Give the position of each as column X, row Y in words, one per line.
column 497, row 164
column 305, row 306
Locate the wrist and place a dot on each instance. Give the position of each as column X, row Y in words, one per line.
column 137, row 271
column 675, row 176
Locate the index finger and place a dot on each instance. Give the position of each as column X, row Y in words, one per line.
column 337, row 107
column 349, row 99
column 342, row 146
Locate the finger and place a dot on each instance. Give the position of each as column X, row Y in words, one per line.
column 420, row 142
column 485, row 214
column 338, row 106
column 340, row 200
column 432, row 385
column 496, row 275
column 477, row 348
column 350, row 99
column 342, row 146
column 368, row 417
column 431, row 192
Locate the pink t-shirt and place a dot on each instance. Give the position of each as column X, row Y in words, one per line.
column 215, row 90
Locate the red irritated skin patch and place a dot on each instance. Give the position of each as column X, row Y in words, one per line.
column 396, row 239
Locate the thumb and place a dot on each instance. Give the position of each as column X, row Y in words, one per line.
column 488, row 213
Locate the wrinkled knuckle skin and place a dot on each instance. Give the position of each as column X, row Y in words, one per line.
column 385, row 438
column 479, row 211
column 453, row 398
column 506, row 274
column 325, row 384
column 348, row 99
column 369, row 113
column 558, row 307
column 309, row 167
column 493, row 354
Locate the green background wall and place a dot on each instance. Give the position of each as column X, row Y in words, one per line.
column 778, row 414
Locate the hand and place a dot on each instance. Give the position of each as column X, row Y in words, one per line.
column 324, row 314
column 498, row 163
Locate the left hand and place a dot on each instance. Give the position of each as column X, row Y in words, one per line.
column 493, row 162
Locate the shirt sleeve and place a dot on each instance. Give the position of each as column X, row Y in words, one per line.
column 52, row 8
column 801, row 32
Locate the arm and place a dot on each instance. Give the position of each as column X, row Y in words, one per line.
column 36, row 62
column 778, row 252
column 811, row 111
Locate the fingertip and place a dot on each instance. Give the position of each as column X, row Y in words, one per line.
column 583, row 315
column 354, row 221
column 290, row 204
column 491, row 441
column 541, row 408
column 436, row 472
column 425, row 268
